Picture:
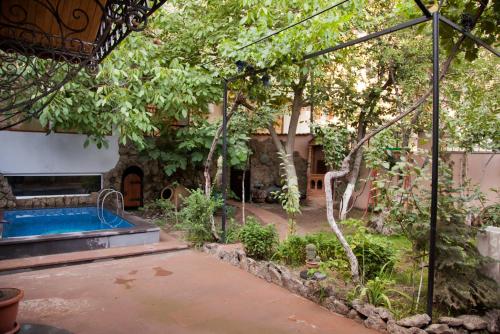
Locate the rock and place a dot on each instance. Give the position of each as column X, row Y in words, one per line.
column 366, row 310
column 384, row 313
column 336, row 305
column 416, row 330
column 222, row 254
column 392, row 328
column 354, row 315
column 313, row 290
column 291, row 283
column 473, row 322
column 450, row 321
column 375, row 322
column 210, row 248
column 493, row 319
column 339, row 307
column 275, row 274
column 259, row 269
column 439, row 329
column 304, row 274
column 419, row 320
column 233, row 259
column 319, row 276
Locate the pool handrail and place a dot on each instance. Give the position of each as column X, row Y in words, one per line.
column 119, row 196
column 100, row 205
column 101, row 192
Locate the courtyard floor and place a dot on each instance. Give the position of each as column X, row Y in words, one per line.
column 181, row 292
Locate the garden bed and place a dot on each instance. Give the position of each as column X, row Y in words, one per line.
column 377, row 318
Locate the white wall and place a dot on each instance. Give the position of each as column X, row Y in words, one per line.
column 58, row 153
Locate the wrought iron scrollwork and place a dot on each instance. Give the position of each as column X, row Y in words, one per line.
column 45, row 43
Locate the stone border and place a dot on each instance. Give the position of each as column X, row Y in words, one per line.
column 377, row 318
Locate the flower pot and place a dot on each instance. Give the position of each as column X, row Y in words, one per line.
column 9, row 304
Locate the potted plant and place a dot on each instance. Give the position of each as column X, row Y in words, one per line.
column 9, row 304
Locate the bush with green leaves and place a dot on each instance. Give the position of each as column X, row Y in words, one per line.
column 233, row 229
column 490, row 216
column 195, row 217
column 372, row 253
column 377, row 291
column 259, row 241
column 161, row 210
column 460, row 283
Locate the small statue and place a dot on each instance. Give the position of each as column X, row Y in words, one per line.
column 312, row 260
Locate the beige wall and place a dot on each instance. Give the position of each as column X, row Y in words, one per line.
column 483, row 169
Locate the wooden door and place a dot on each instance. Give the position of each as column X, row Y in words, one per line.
column 132, row 190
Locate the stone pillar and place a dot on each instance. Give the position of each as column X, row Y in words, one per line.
column 7, row 199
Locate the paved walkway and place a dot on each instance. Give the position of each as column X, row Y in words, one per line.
column 273, row 214
column 181, row 292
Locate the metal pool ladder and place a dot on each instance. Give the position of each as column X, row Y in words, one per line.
column 104, row 193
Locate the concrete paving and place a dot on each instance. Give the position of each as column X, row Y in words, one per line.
column 181, row 292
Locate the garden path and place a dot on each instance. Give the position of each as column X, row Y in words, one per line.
column 311, row 219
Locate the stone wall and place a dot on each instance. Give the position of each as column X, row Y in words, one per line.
column 154, row 179
column 7, row 199
column 265, row 169
column 57, row 202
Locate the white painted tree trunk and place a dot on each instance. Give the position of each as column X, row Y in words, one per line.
column 346, row 197
column 353, row 261
column 353, row 178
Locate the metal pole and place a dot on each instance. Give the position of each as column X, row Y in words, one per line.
column 224, row 162
column 435, row 160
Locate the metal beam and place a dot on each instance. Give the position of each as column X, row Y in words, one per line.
column 435, row 161
column 368, row 37
column 224, row 161
column 423, row 8
column 476, row 40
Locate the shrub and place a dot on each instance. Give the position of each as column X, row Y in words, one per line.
column 490, row 216
column 259, row 241
column 371, row 253
column 233, row 229
column 196, row 216
column 162, row 210
column 377, row 291
column 292, row 251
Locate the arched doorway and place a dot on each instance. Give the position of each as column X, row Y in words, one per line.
column 132, row 185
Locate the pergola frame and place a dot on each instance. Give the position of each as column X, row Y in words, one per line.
column 436, row 19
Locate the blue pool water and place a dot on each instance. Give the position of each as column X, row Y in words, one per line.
column 22, row 223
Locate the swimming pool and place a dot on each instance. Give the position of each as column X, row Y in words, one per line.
column 23, row 223
column 36, row 232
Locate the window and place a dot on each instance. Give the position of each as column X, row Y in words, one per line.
column 53, row 185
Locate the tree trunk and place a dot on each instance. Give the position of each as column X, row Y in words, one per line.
column 210, row 157
column 353, row 178
column 353, row 261
column 286, row 152
column 243, row 218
